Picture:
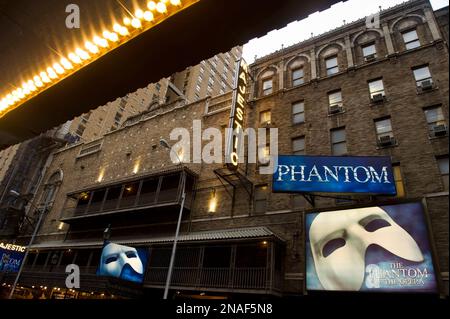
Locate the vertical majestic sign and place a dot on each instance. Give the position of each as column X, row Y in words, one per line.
column 237, row 117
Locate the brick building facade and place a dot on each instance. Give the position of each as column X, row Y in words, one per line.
column 352, row 91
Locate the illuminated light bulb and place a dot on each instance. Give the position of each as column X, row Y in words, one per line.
column 16, row 96
column 126, row 21
column 100, row 42
column 117, row 27
column 31, row 85
column 82, row 54
column 139, row 14
column 10, row 99
column 44, row 77
column 123, row 31
column 136, row 23
column 148, row 16
column 19, row 93
column 66, row 64
column 91, row 47
column 151, row 5
column 161, row 7
column 58, row 68
column 75, row 58
column 37, row 81
column 51, row 73
column 25, row 89
column 175, row 2
column 111, row 36
column 3, row 105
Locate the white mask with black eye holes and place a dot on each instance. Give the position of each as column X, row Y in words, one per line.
column 115, row 257
column 339, row 241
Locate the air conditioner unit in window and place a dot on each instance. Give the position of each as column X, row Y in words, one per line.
column 439, row 130
column 426, row 85
column 335, row 109
column 370, row 58
column 386, row 141
column 378, row 98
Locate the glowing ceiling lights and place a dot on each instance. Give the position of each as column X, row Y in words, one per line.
column 132, row 26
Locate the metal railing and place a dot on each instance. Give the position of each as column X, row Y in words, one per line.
column 236, row 278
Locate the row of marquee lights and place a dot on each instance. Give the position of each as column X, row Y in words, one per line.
column 131, row 26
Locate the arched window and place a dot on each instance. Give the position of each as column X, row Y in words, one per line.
column 410, row 32
column 51, row 188
column 297, row 71
column 332, row 60
column 267, row 82
column 369, row 46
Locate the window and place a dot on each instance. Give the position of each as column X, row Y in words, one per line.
column 80, row 130
column 435, row 120
column 298, row 146
column 376, row 88
column 443, row 169
column 411, row 39
column 399, row 183
column 384, row 128
column 267, row 87
column 298, row 76
column 264, row 154
column 332, row 65
column 198, row 88
column 298, row 112
column 251, row 256
column 217, row 257
column 338, row 142
column 335, row 102
column 422, row 74
column 369, row 50
column 261, row 199
column 202, row 70
column 265, row 117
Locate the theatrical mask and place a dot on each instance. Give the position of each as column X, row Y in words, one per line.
column 339, row 241
column 120, row 261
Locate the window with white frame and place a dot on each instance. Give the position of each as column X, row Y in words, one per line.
column 376, row 88
column 265, row 117
column 332, row 65
column 435, row 119
column 267, row 86
column 335, row 99
column 422, row 75
column 260, row 199
column 298, row 77
column 443, row 169
column 298, row 112
column 338, row 142
column 411, row 39
column 384, row 128
column 298, row 146
column 369, row 50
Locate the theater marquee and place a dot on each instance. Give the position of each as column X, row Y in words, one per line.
column 330, row 174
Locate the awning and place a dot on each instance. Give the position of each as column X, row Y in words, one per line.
column 213, row 235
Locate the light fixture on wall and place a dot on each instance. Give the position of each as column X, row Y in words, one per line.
column 212, row 202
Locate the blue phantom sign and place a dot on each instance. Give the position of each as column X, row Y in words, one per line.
column 332, row 174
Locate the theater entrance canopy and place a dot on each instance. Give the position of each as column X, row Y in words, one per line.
column 159, row 40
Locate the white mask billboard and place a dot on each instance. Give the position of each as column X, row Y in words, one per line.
column 123, row 262
column 369, row 249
